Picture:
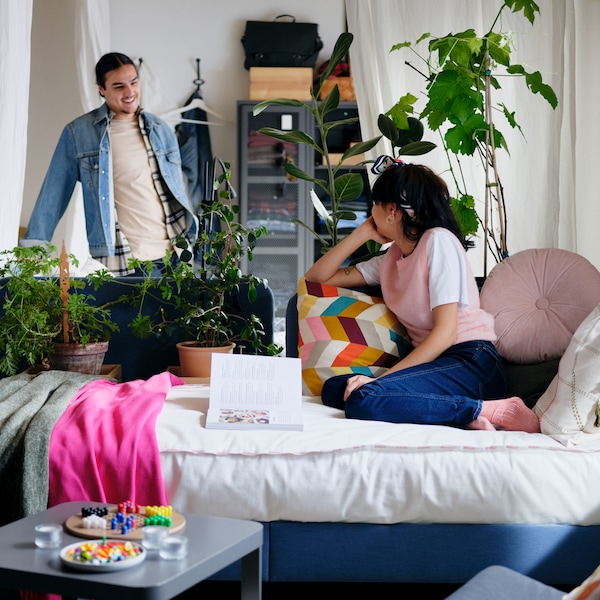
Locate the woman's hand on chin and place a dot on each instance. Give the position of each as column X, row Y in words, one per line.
column 369, row 228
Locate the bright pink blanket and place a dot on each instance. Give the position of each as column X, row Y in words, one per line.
column 104, row 446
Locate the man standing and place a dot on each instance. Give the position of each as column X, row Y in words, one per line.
column 129, row 166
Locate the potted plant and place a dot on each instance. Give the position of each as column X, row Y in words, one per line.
column 198, row 291
column 45, row 311
column 343, row 184
column 463, row 69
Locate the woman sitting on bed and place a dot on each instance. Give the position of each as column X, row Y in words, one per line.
column 453, row 375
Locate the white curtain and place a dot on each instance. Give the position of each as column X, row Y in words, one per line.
column 549, row 177
column 15, row 53
column 92, row 40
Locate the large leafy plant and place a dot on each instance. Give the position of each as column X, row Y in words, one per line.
column 36, row 312
column 463, row 69
column 341, row 184
column 197, row 292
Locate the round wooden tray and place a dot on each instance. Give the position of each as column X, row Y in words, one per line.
column 74, row 525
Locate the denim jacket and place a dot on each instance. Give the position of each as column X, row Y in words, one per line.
column 83, row 154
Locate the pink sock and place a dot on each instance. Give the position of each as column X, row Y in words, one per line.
column 481, row 423
column 510, row 413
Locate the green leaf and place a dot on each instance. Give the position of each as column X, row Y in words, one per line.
column 463, row 49
column 403, row 107
column 295, row 137
column 412, row 133
column 401, row 129
column 510, row 117
column 499, row 48
column 461, row 139
column 451, row 97
column 348, row 186
column 535, row 84
column 529, row 8
column 340, row 52
column 295, row 171
column 498, row 140
column 471, row 41
column 458, row 49
column 466, row 215
column 359, row 148
column 275, row 102
column 400, row 46
column 346, row 215
column 330, row 102
column 416, row 148
column 327, row 125
column 388, row 127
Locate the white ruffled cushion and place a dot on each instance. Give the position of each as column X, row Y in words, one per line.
column 569, row 410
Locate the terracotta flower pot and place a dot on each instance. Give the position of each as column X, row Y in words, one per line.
column 195, row 361
column 75, row 357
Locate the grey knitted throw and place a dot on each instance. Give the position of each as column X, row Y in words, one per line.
column 30, row 406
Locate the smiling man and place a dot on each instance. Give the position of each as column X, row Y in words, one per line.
column 129, row 166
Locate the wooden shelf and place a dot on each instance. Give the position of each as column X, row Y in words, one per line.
column 175, row 371
column 107, row 371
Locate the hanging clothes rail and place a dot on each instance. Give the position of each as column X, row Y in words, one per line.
column 195, row 101
column 193, row 137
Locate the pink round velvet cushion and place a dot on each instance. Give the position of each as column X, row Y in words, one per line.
column 538, row 298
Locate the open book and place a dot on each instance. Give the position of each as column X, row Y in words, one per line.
column 255, row 392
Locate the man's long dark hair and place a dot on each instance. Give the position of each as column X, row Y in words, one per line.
column 425, row 192
column 110, row 62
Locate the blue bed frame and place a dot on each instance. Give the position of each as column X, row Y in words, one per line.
column 423, row 553
column 427, row 553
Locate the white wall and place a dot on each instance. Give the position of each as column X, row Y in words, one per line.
column 53, row 90
column 169, row 36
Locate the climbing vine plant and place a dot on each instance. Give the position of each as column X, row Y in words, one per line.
column 462, row 70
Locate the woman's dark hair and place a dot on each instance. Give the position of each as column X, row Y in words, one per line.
column 110, row 62
column 420, row 189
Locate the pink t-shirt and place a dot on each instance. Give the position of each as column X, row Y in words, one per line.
column 437, row 272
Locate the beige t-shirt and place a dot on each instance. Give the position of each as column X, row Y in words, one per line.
column 140, row 212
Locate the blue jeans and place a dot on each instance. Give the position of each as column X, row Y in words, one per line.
column 447, row 391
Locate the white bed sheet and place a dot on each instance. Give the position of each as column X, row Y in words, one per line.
column 343, row 470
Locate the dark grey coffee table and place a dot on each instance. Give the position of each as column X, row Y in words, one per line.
column 213, row 544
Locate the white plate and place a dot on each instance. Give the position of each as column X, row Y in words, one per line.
column 67, row 557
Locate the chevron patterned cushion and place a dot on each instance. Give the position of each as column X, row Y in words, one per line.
column 344, row 331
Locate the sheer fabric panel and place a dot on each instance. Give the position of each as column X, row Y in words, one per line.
column 92, row 40
column 15, row 53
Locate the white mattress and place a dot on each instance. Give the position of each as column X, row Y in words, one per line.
column 345, row 470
